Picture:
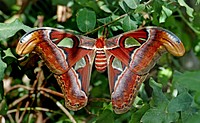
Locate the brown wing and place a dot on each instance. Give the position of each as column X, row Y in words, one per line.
column 71, row 64
column 130, row 58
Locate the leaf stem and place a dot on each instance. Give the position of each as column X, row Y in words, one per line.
column 186, row 21
column 116, row 19
column 106, row 24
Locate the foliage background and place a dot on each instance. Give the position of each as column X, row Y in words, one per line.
column 28, row 91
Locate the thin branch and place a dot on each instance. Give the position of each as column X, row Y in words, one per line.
column 18, row 86
column 30, row 109
column 49, row 76
column 10, row 118
column 106, row 24
column 60, row 106
column 35, row 83
column 65, row 111
column 90, row 113
column 51, row 92
column 116, row 19
column 23, row 113
column 18, row 101
column 17, row 113
column 148, row 2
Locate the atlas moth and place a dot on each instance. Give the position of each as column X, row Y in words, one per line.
column 127, row 63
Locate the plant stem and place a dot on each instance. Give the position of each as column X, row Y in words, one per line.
column 188, row 23
column 106, row 24
column 60, row 106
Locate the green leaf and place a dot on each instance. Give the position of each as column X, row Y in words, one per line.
column 158, row 97
column 105, row 20
column 106, row 117
column 3, row 107
column 124, row 6
column 90, row 4
column 82, row 2
column 104, row 7
column 93, row 5
column 198, row 2
column 164, row 74
column 189, row 10
column 140, row 8
column 153, row 116
column 194, row 118
column 164, row 14
column 60, row 2
column 197, row 98
column 1, row 91
column 180, row 103
column 188, row 80
column 167, row 11
column 132, row 3
column 188, row 114
column 8, row 52
column 86, row 20
column 136, row 116
column 2, row 68
column 7, row 30
column 159, row 115
column 129, row 24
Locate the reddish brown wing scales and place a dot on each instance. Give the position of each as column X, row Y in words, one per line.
column 117, row 45
column 71, row 66
column 53, row 57
column 159, row 42
column 128, row 64
column 75, row 83
column 69, row 82
column 124, row 85
column 138, row 61
column 125, row 90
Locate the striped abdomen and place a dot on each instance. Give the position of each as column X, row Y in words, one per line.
column 100, row 61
